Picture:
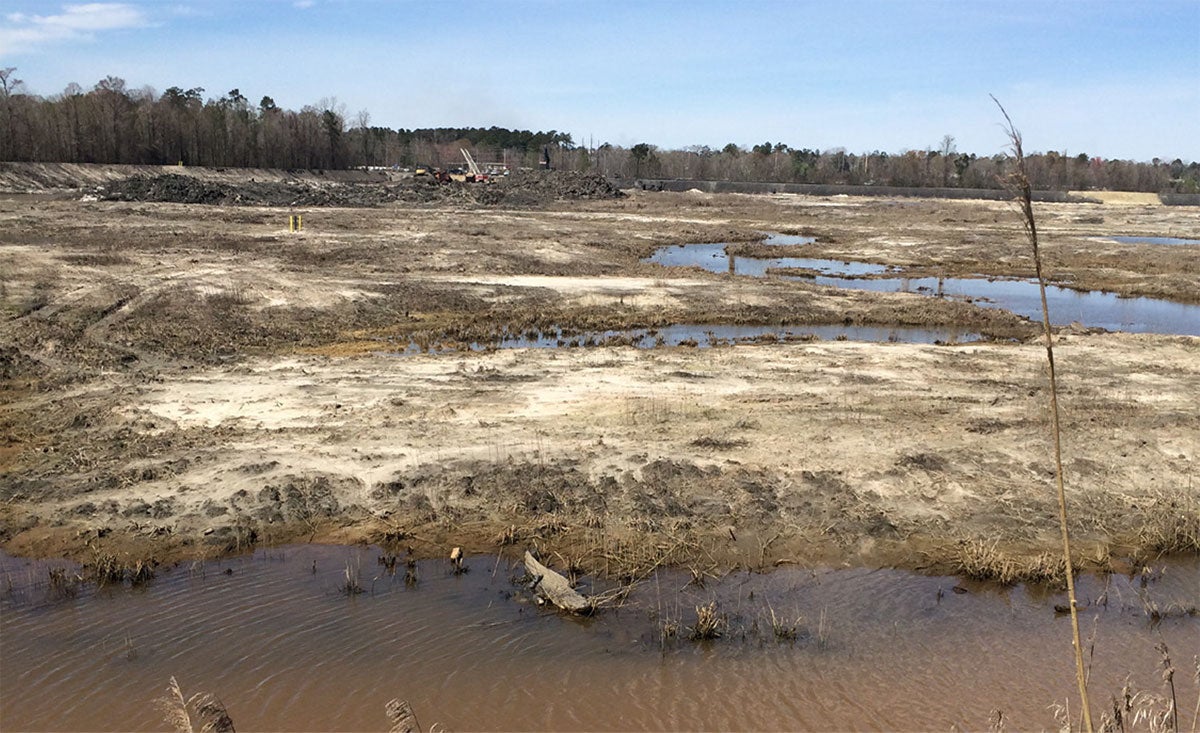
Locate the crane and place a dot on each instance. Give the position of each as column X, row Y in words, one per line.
column 471, row 166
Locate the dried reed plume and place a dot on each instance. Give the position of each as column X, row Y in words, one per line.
column 1019, row 184
column 400, row 714
column 203, row 707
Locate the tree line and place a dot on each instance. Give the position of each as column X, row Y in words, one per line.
column 940, row 166
column 113, row 123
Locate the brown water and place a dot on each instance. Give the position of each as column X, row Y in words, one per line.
column 285, row 650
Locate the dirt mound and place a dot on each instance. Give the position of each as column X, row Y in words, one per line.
column 181, row 189
column 520, row 189
column 537, row 187
column 50, row 177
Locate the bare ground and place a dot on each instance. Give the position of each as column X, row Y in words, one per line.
column 183, row 381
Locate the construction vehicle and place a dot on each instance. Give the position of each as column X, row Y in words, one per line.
column 475, row 173
column 471, row 174
column 428, row 171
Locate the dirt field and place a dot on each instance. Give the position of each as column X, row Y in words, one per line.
column 186, row 380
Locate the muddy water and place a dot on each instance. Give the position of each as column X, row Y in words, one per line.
column 1093, row 309
column 274, row 638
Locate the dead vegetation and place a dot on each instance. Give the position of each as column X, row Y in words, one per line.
column 710, row 623
column 981, row 560
column 202, row 712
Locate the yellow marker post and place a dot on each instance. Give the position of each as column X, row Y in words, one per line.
column 295, row 223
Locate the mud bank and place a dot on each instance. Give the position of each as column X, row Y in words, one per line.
column 901, row 454
column 184, row 381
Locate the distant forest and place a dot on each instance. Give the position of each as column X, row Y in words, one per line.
column 112, row 123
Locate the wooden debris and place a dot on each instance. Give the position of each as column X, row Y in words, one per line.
column 456, row 558
column 555, row 588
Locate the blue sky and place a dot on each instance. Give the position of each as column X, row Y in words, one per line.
column 1115, row 79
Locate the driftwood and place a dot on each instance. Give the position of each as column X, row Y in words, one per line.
column 554, row 587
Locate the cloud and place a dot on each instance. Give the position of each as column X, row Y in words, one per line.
column 304, row 4
column 23, row 32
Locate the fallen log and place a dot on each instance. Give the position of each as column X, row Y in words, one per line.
column 555, row 588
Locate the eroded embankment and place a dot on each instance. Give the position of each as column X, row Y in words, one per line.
column 899, row 454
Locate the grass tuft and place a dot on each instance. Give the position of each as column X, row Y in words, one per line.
column 709, row 623
column 351, row 586
column 785, row 629
column 979, row 560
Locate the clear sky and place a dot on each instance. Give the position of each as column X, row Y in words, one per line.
column 1114, row 78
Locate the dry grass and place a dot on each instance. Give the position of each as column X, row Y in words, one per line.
column 1157, row 712
column 1173, row 526
column 710, row 624
column 785, row 629
column 351, row 585
column 106, row 568
column 63, row 584
column 980, row 560
column 183, row 713
column 1121, row 198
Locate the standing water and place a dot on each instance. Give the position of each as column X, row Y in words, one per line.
column 1091, row 308
column 1153, row 240
column 284, row 648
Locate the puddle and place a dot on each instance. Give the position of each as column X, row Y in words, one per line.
column 707, row 336
column 275, row 640
column 1092, row 309
column 1152, row 240
column 712, row 257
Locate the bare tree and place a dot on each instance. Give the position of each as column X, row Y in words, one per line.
column 10, row 85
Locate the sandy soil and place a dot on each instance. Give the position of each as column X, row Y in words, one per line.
column 185, row 381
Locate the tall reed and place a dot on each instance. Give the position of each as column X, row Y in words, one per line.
column 1019, row 184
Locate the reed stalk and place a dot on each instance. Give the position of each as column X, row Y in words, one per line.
column 1019, row 184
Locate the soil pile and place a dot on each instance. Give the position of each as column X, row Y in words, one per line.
column 520, row 189
column 181, row 189
column 538, row 187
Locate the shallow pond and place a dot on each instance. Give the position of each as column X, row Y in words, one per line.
column 1092, row 309
column 273, row 637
